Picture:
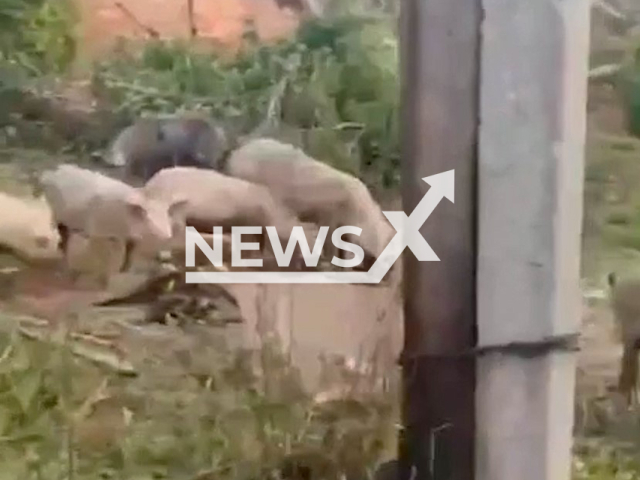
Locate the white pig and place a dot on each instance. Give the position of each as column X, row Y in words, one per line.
column 214, row 199
column 101, row 207
column 312, row 190
column 26, row 228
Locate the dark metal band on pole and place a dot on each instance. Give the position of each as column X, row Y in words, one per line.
column 440, row 44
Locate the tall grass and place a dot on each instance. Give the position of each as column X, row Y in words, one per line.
column 190, row 413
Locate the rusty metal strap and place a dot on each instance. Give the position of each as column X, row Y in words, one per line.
column 567, row 342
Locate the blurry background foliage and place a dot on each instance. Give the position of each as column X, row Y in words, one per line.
column 37, row 35
column 332, row 88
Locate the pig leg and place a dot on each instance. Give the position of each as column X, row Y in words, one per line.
column 75, row 252
column 142, row 260
column 88, row 261
column 131, row 258
column 104, row 251
column 64, row 237
column 108, row 251
column 129, row 246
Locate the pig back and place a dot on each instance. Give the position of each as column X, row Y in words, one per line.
column 70, row 190
column 151, row 145
column 213, row 199
column 107, row 216
column 365, row 212
column 315, row 191
column 142, row 134
column 306, row 186
column 195, row 140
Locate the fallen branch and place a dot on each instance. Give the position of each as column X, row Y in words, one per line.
column 85, row 346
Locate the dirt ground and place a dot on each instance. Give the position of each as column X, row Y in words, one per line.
column 360, row 324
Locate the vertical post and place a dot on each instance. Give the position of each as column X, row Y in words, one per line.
column 193, row 30
column 439, row 56
column 533, row 103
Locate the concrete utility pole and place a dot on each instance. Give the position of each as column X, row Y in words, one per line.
column 439, row 55
column 531, row 160
column 533, row 59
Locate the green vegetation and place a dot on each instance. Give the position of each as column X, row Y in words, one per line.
column 191, row 416
column 333, row 88
column 604, row 462
column 37, row 35
column 334, row 85
column 612, row 200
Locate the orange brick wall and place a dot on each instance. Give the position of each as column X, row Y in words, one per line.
column 102, row 22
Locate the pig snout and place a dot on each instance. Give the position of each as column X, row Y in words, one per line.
column 42, row 242
column 159, row 228
column 48, row 240
column 41, row 245
column 167, row 220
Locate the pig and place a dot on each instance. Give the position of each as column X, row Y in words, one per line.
column 625, row 303
column 26, row 229
column 93, row 261
column 214, row 199
column 100, row 207
column 314, row 191
column 151, row 144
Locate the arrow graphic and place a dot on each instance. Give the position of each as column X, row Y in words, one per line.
column 407, row 235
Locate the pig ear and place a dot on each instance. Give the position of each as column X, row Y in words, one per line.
column 135, row 207
column 137, row 210
column 178, row 207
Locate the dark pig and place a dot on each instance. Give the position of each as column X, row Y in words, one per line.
column 152, row 144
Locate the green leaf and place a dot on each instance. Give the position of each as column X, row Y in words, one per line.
column 26, row 388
